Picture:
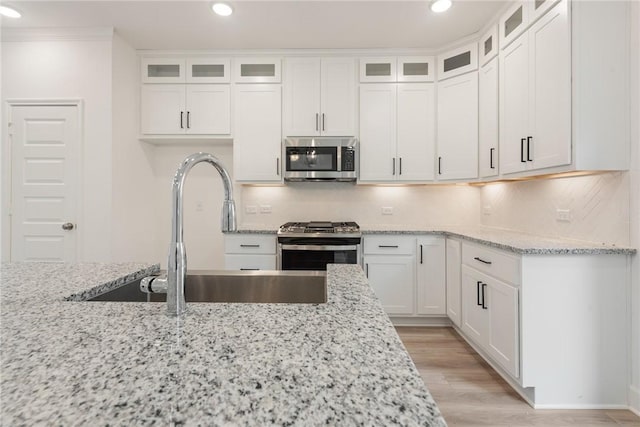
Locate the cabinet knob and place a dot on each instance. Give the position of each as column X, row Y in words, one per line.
column 68, row 226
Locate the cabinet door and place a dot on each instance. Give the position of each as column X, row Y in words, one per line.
column 163, row 109
column 249, row 262
column 502, row 343
column 257, row 133
column 550, row 90
column 475, row 318
column 513, row 22
column 162, row 70
column 488, row 119
column 338, row 97
column 377, row 132
column 458, row 61
column 416, row 131
column 454, row 260
column 416, row 69
column 208, row 109
column 302, row 97
column 488, row 45
column 377, row 70
column 393, row 280
column 257, row 70
column 458, row 127
column 431, row 281
column 208, row 70
column 514, row 106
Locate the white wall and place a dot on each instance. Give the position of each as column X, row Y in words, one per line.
column 70, row 66
column 634, row 392
column 599, row 206
column 134, row 224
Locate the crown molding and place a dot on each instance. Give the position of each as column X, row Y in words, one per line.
column 56, row 34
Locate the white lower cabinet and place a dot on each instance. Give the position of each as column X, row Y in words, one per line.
column 431, row 293
column 453, row 280
column 392, row 277
column 552, row 324
column 490, row 317
column 249, row 252
column 407, row 273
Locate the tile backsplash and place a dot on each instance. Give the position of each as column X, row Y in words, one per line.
column 593, row 207
column 411, row 206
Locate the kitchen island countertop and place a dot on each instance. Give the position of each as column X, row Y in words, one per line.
column 79, row 362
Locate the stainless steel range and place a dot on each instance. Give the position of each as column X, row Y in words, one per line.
column 313, row 245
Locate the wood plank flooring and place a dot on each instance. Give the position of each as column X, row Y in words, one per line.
column 470, row 393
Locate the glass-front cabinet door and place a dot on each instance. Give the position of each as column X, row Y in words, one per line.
column 207, row 70
column 378, row 70
column 416, row 69
column 162, row 70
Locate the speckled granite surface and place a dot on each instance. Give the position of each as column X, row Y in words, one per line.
column 521, row 243
column 97, row 363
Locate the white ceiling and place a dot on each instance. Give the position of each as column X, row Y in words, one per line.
column 265, row 24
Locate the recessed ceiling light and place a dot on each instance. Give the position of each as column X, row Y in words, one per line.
column 439, row 6
column 222, row 9
column 11, row 13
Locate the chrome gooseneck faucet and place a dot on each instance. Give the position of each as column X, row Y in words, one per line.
column 177, row 266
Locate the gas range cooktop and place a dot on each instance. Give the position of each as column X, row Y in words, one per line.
column 320, row 228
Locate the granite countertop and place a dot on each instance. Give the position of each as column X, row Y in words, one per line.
column 95, row 363
column 517, row 242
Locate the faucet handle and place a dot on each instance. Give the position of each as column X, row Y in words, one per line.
column 154, row 285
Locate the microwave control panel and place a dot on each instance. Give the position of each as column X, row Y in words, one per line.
column 348, row 159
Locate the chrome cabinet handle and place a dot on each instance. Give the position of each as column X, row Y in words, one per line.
column 67, row 226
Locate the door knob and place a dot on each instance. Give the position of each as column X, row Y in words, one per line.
column 67, row 226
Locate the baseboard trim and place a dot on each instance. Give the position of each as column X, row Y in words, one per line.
column 634, row 400
column 436, row 321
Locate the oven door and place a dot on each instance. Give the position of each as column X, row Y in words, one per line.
column 316, row 257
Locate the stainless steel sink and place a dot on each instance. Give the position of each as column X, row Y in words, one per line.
column 237, row 286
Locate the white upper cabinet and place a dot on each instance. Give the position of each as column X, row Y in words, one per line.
column 397, row 69
column 397, row 138
column 488, row 45
column 457, row 139
column 208, row 70
column 257, row 70
column 177, row 109
column 416, row 69
column 458, row 61
column 320, row 97
column 185, row 70
column 488, row 131
column 378, row 70
column 535, row 96
column 416, row 137
column 377, row 132
column 257, row 133
column 519, row 16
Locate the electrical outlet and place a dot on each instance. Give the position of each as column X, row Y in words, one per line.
column 486, row 210
column 265, row 209
column 387, row 210
column 251, row 209
column 563, row 215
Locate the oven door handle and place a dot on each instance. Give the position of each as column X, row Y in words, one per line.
column 319, row 247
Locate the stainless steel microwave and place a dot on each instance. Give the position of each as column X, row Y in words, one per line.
column 320, row 158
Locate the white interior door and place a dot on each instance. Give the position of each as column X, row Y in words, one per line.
column 44, row 182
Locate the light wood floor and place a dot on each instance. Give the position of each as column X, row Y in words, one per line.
column 470, row 393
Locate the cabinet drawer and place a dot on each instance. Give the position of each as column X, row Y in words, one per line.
column 496, row 263
column 389, row 245
column 249, row 262
column 250, row 244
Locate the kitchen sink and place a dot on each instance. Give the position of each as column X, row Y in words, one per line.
column 236, row 287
